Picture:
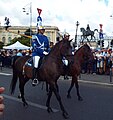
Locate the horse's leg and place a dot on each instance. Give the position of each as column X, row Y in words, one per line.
column 71, row 86
column 48, row 100
column 47, row 89
column 94, row 38
column 64, row 113
column 88, row 41
column 49, row 93
column 46, row 86
column 54, row 89
column 22, row 82
column 77, row 88
column 57, row 87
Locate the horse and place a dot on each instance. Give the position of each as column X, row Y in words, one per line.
column 85, row 34
column 84, row 53
column 44, row 73
column 76, row 61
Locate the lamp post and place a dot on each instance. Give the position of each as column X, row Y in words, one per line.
column 77, row 24
column 28, row 10
column 101, row 35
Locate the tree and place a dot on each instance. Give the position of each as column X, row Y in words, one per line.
column 23, row 40
column 27, row 32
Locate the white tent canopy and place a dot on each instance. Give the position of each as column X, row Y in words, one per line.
column 17, row 45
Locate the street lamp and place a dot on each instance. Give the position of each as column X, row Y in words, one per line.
column 28, row 10
column 77, row 24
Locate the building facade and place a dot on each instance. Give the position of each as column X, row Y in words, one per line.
column 52, row 32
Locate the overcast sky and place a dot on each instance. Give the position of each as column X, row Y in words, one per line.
column 61, row 13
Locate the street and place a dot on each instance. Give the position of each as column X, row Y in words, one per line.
column 97, row 101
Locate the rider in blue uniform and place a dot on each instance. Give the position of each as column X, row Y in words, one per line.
column 40, row 48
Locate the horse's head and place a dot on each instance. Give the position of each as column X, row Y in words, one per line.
column 82, row 29
column 87, row 53
column 62, row 48
column 66, row 47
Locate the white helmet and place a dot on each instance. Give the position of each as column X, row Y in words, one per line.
column 66, row 34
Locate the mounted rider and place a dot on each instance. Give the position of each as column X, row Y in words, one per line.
column 88, row 29
column 40, row 48
column 66, row 36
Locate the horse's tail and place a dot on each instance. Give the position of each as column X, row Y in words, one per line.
column 95, row 30
column 14, row 77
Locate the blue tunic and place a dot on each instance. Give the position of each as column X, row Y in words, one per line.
column 40, row 43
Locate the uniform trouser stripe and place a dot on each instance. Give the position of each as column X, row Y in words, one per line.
column 36, row 61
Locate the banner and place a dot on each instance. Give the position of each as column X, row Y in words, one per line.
column 101, row 32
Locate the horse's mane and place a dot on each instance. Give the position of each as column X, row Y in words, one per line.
column 85, row 45
column 82, row 28
column 57, row 46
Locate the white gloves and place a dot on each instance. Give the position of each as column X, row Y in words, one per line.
column 65, row 62
column 45, row 53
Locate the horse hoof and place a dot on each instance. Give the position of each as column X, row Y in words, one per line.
column 25, row 104
column 19, row 96
column 47, row 93
column 49, row 110
column 65, row 115
column 80, row 99
column 69, row 96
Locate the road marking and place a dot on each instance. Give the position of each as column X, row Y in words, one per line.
column 92, row 82
column 29, row 103
column 1, row 73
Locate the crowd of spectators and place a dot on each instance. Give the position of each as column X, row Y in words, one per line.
column 103, row 60
column 6, row 56
column 102, row 63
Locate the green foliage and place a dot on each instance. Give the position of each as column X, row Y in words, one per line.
column 23, row 40
column 27, row 32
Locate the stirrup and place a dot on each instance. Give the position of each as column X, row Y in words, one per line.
column 35, row 82
column 66, row 77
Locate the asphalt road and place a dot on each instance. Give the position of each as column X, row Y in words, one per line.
column 97, row 101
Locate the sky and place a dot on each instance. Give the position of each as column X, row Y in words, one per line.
column 61, row 13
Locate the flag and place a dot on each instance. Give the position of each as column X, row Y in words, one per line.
column 39, row 11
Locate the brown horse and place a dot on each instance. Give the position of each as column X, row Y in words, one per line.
column 84, row 53
column 45, row 72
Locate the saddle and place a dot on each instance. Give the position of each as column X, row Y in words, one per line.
column 29, row 63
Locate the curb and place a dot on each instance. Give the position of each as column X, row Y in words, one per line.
column 96, row 83
column 92, row 82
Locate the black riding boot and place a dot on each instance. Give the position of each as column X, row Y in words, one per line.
column 34, row 77
column 66, row 72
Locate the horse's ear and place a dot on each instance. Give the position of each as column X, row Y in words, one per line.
column 71, row 42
